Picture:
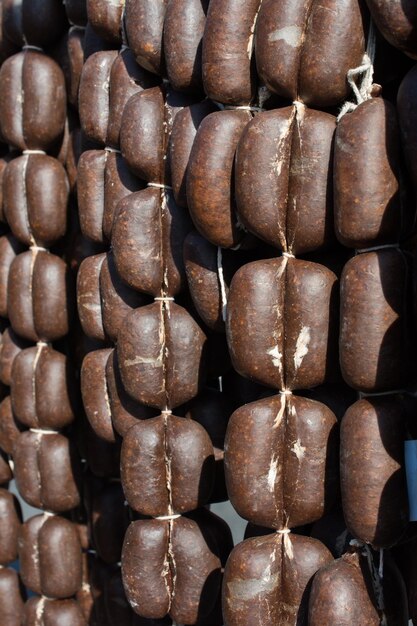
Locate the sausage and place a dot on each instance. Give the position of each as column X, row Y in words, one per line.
column 93, row 99
column 283, row 178
column 167, row 451
column 10, row 346
column 183, row 33
column 342, row 594
column 125, row 411
column 103, row 180
column 160, row 353
column 143, row 135
column 228, row 63
column 108, row 80
column 118, row 608
column 10, row 428
column 266, row 579
column 39, row 306
column 47, row 471
column 396, row 20
column 12, row 597
column 374, row 490
column 303, row 50
column 43, row 388
column 210, row 177
column 45, row 566
column 106, row 18
column 35, row 195
column 184, row 130
column 70, row 56
column 368, row 208
column 203, row 263
column 88, row 296
column 147, row 121
column 32, row 73
column 269, row 296
column 4, row 161
column 281, row 461
column 94, row 393
column 44, row 611
column 144, row 21
column 373, row 286
column 6, row 473
column 117, row 299
column 151, row 551
column 126, row 79
column 147, row 243
column 10, row 247
column 10, row 522
column 103, row 299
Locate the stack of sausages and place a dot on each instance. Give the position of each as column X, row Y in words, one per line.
column 207, row 230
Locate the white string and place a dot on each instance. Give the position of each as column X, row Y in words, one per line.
column 28, row 46
column 166, row 412
column 363, row 394
column 222, row 283
column 375, row 248
column 36, row 248
column 44, row 431
column 159, row 186
column 109, row 149
column 242, row 107
column 42, row 344
column 33, row 152
column 165, row 518
column 289, row 255
column 283, row 531
column 164, row 299
column 285, row 392
column 366, row 70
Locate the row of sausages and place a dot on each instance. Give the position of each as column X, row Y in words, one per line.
column 257, row 181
